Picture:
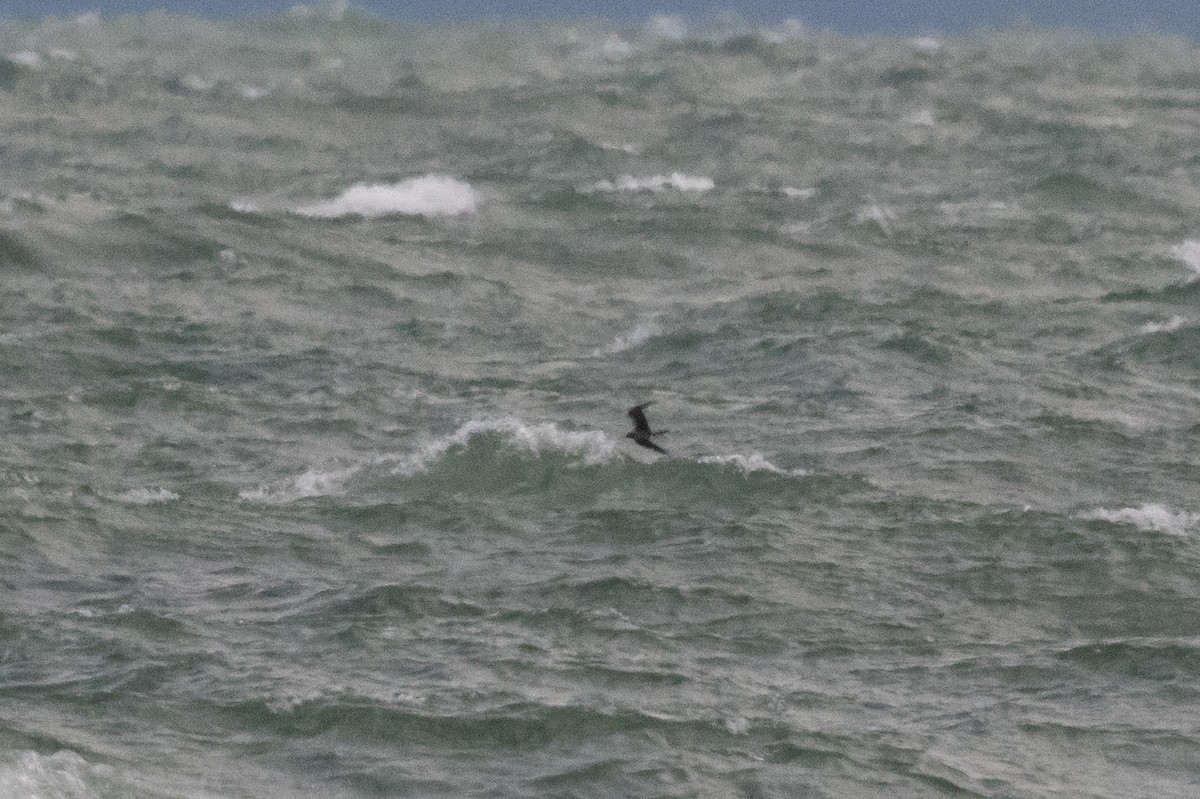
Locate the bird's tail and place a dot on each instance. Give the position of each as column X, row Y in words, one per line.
column 659, row 432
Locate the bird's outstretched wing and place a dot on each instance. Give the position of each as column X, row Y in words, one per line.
column 648, row 443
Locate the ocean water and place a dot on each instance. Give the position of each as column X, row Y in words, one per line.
column 317, row 334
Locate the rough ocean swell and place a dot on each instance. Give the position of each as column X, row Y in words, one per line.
column 318, row 333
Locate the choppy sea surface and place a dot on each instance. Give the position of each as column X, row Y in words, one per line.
column 317, row 334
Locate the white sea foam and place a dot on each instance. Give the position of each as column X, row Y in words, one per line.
column 197, row 83
column 616, row 49
column 746, row 464
column 927, row 45
column 676, row 181
column 799, row 194
column 146, row 496
column 593, row 445
column 1174, row 323
column 1151, row 518
column 881, row 215
column 26, row 58
column 312, row 483
column 639, row 335
column 1189, row 253
column 246, row 207
column 252, row 93
column 428, row 195
column 61, row 774
column 738, row 725
column 620, row 147
column 922, row 119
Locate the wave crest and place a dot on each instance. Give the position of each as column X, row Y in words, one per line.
column 312, row 483
column 676, row 181
column 1150, row 518
column 1189, row 253
column 755, row 462
column 428, row 195
column 593, row 445
column 145, row 496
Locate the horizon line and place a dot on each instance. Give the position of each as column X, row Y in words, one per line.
column 709, row 22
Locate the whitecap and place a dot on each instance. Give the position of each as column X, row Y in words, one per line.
column 922, row 119
column 738, row 725
column 799, row 194
column 616, row 49
column 676, row 181
column 621, row 147
column 196, row 83
column 636, row 337
column 26, row 58
column 593, row 445
column 146, row 496
column 927, row 45
column 428, row 195
column 1174, row 323
column 878, row 214
column 312, row 483
column 252, row 93
column 1189, row 253
column 62, row 774
column 246, row 207
column 1150, row 518
column 746, row 464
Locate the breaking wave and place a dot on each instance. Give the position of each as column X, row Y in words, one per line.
column 146, row 496
column 1150, row 518
column 312, row 483
column 428, row 195
column 754, row 462
column 676, row 181
column 592, row 445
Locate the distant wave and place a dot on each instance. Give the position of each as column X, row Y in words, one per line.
column 428, row 195
column 145, row 496
column 480, row 440
column 592, row 446
column 676, row 181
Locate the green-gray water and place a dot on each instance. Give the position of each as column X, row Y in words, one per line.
column 317, row 340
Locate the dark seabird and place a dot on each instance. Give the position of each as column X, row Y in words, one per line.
column 641, row 429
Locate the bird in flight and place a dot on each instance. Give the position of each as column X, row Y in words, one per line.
column 641, row 429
